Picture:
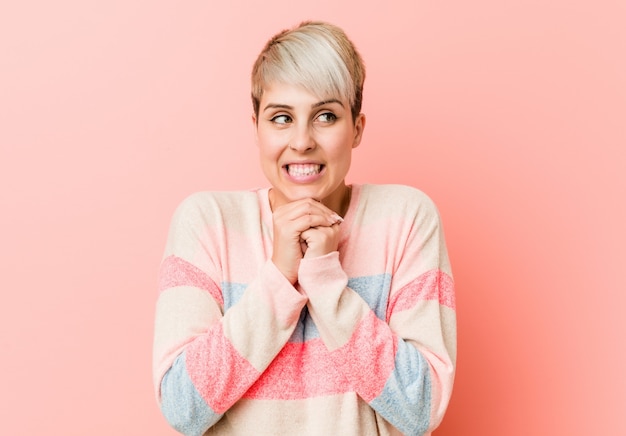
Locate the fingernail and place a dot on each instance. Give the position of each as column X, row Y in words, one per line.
column 337, row 218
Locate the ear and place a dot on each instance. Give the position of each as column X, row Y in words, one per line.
column 255, row 126
column 359, row 126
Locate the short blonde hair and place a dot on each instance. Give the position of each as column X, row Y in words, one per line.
column 316, row 55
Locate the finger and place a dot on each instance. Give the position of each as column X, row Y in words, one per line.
column 305, row 205
column 295, row 211
column 311, row 221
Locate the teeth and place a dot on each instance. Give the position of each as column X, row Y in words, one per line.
column 303, row 169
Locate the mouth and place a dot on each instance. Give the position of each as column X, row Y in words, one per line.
column 304, row 170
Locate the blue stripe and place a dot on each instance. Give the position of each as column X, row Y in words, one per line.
column 405, row 399
column 374, row 290
column 181, row 403
column 305, row 329
column 232, row 293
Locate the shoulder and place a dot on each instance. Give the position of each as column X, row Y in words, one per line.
column 399, row 199
column 398, row 192
column 216, row 205
column 219, row 198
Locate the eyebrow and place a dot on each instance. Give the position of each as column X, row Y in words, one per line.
column 322, row 103
column 313, row 106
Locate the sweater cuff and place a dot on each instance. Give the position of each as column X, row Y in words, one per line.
column 279, row 293
column 321, row 273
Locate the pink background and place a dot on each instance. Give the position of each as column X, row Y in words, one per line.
column 510, row 115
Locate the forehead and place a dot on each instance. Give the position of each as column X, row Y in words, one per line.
column 295, row 96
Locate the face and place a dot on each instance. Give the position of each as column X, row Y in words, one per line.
column 305, row 144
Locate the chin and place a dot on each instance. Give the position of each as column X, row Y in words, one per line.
column 300, row 193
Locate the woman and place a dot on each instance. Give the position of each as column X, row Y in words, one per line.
column 311, row 306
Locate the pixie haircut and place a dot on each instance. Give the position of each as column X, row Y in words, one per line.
column 316, row 55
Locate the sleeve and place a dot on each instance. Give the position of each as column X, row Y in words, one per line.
column 402, row 366
column 204, row 360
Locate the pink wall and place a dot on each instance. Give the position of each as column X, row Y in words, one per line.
column 511, row 117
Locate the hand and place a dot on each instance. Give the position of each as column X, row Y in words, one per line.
column 321, row 240
column 291, row 221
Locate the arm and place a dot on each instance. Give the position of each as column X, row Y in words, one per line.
column 403, row 365
column 204, row 360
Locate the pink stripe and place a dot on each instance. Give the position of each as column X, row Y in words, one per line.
column 219, row 373
column 432, row 285
column 300, row 370
column 178, row 272
column 305, row 370
column 373, row 343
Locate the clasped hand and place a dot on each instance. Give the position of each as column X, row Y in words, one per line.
column 303, row 229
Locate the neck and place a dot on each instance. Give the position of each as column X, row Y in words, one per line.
column 338, row 201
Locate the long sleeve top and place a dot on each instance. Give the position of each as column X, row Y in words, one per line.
column 364, row 343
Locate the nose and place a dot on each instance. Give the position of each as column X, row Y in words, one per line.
column 302, row 140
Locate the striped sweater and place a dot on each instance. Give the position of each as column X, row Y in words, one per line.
column 363, row 344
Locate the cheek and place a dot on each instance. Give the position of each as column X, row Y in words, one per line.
column 269, row 144
column 342, row 147
column 267, row 148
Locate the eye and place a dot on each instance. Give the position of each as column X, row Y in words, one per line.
column 327, row 117
column 281, row 119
